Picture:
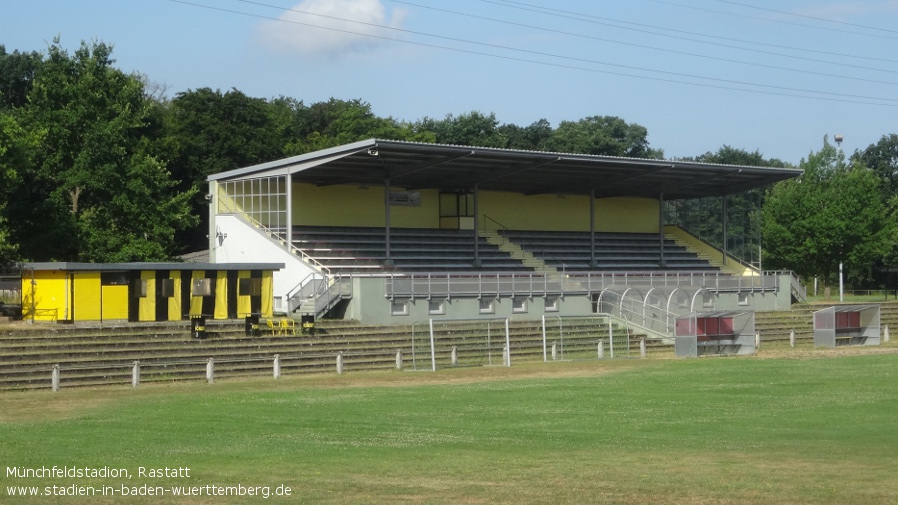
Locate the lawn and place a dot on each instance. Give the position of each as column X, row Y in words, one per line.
column 817, row 429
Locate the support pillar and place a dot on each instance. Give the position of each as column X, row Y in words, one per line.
column 477, row 261
column 277, row 366
column 592, row 229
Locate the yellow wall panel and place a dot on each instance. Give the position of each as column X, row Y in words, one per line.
column 244, row 303
column 174, row 302
column 196, row 302
column 536, row 212
column 115, row 302
column 49, row 296
column 267, row 294
column 567, row 213
column 221, row 295
column 146, row 305
column 627, row 215
column 87, row 295
column 353, row 206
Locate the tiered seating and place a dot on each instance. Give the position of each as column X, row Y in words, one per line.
column 614, row 251
column 362, row 249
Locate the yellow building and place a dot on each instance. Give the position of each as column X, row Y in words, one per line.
column 78, row 292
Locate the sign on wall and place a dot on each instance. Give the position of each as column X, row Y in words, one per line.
column 405, row 198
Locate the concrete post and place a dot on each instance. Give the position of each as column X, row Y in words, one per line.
column 55, row 378
column 399, row 359
column 757, row 340
column 277, row 366
column 642, row 347
column 454, row 355
column 210, row 370
column 135, row 374
column 601, row 349
column 340, row 363
column 554, row 351
column 885, row 337
column 792, row 338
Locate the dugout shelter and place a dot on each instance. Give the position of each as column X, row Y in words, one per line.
column 389, row 231
column 847, row 325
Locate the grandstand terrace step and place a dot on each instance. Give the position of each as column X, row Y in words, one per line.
column 105, row 355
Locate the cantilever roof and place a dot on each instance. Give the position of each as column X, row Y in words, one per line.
column 412, row 165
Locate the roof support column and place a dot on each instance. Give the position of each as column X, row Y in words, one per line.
column 477, row 262
column 724, row 221
column 388, row 260
column 289, row 210
column 661, row 228
column 592, row 228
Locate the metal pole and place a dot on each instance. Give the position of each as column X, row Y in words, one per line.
column 507, row 343
column 433, row 352
column 661, row 227
column 387, row 218
column 340, row 363
column 544, row 339
column 289, row 203
column 592, row 228
column 476, row 226
column 210, row 370
column 277, row 366
column 724, row 220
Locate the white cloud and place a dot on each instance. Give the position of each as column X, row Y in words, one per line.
column 327, row 27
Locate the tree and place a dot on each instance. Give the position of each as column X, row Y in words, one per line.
column 831, row 214
column 531, row 138
column 16, row 148
column 17, row 72
column 471, row 129
column 602, row 135
column 882, row 158
column 95, row 193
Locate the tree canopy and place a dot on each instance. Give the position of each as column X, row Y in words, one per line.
column 93, row 193
column 832, row 214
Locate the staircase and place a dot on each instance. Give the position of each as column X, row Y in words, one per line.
column 526, row 258
column 316, row 295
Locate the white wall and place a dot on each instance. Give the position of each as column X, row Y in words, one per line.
column 247, row 244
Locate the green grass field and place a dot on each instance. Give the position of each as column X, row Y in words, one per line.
column 815, row 429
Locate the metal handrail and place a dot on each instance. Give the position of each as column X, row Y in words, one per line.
column 431, row 284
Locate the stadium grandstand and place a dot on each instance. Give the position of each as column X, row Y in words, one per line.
column 391, row 232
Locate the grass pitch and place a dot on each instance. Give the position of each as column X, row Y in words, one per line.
column 786, row 430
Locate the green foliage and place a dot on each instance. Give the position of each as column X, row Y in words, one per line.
column 16, row 146
column 17, row 72
column 832, row 214
column 602, row 135
column 882, row 158
column 471, row 129
column 96, row 189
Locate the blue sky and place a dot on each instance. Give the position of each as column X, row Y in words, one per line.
column 698, row 74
